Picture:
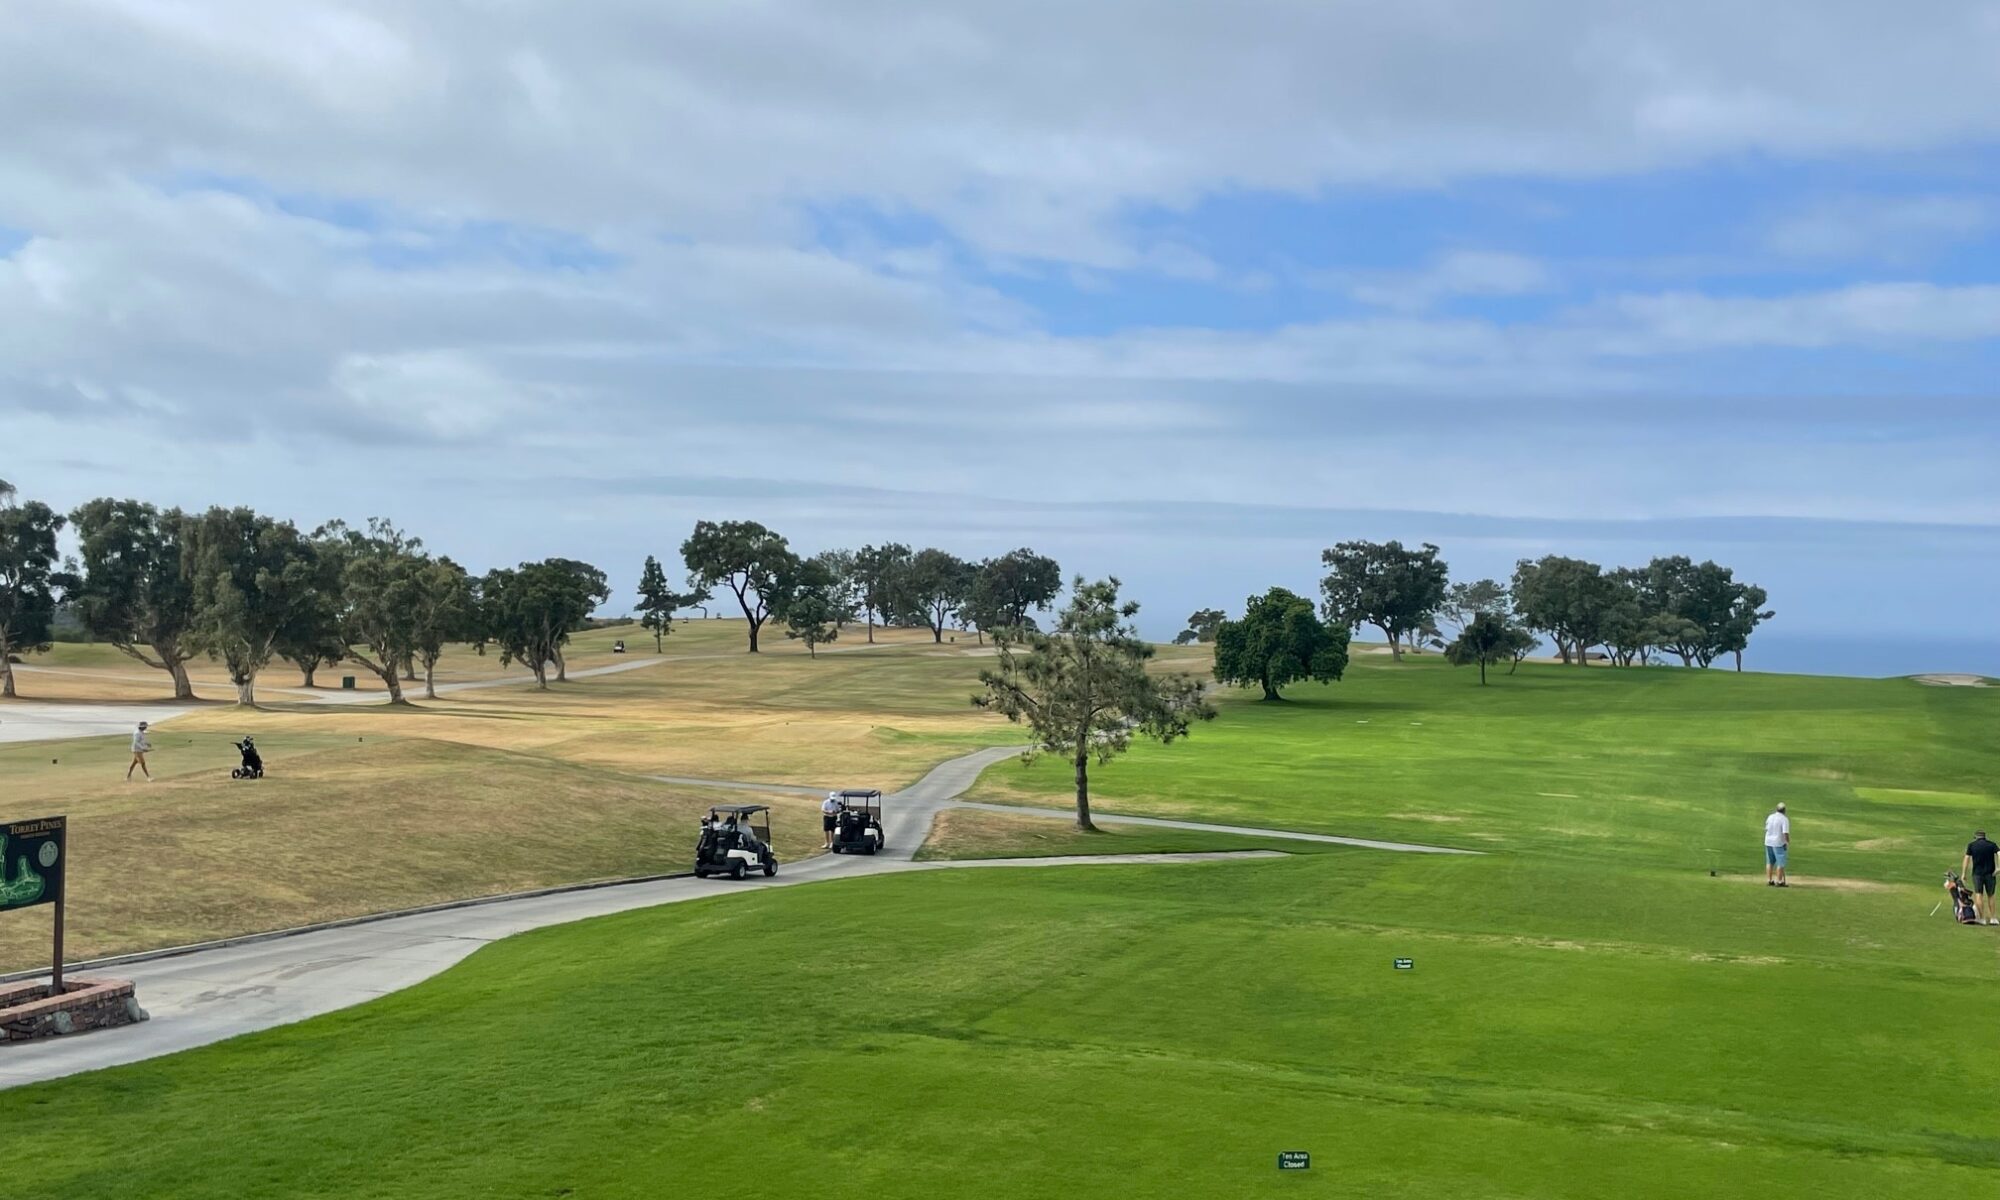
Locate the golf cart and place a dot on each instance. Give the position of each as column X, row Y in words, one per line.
column 858, row 828
column 735, row 840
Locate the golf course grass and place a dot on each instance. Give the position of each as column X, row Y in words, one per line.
column 1139, row 1031
column 1607, row 1002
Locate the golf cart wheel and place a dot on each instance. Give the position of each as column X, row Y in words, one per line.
column 736, row 869
column 770, row 869
column 235, row 773
column 701, row 872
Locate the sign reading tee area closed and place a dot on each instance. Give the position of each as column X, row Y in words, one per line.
column 31, row 862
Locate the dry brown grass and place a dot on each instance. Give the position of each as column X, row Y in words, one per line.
column 342, row 831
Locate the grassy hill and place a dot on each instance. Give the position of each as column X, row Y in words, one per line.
column 1591, row 1013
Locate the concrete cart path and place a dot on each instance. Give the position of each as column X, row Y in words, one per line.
column 210, row 994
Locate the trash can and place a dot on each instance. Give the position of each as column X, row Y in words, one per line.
column 347, row 682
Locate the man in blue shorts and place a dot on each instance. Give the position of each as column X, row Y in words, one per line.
column 1777, row 840
column 1978, row 871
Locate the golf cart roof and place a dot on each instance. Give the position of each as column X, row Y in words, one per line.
column 861, row 794
column 741, row 810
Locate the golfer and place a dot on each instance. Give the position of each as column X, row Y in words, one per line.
column 829, row 816
column 139, row 747
column 1978, row 871
column 1777, row 840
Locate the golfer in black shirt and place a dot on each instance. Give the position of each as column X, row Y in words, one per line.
column 1978, row 870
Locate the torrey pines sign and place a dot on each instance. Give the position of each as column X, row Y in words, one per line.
column 31, row 862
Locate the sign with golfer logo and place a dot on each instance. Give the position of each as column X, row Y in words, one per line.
column 31, row 862
column 1294, row 1160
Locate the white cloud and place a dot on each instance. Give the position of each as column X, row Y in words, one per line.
column 1458, row 273
column 1896, row 229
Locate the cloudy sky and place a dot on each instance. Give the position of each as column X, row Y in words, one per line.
column 1178, row 292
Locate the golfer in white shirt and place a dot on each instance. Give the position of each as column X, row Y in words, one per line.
column 829, row 815
column 139, row 747
column 1777, row 840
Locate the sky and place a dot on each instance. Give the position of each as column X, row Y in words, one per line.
column 1182, row 293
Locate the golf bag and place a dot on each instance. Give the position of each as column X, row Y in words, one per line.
column 1962, row 906
column 253, row 762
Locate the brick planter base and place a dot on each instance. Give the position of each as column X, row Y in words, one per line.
column 28, row 1011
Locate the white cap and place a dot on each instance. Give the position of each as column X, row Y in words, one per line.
column 1781, row 806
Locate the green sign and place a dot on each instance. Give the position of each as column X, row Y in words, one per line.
column 31, row 862
column 1294, row 1160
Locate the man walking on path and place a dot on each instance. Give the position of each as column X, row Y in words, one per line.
column 139, row 747
column 1777, row 840
column 1978, row 872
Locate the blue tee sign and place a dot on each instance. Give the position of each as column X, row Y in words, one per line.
column 1294, row 1160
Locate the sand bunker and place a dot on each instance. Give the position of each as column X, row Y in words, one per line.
column 1953, row 680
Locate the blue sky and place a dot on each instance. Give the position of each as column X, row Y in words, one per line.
column 1182, row 295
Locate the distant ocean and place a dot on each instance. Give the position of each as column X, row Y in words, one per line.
column 1806, row 654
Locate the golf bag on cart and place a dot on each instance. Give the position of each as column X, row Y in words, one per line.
column 253, row 763
column 1962, row 906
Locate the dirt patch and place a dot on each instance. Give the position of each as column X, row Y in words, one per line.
column 1824, row 773
column 1826, row 883
column 1886, row 843
column 1953, row 680
column 1753, row 960
column 1438, row 817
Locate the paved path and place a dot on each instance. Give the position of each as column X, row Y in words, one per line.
column 207, row 995
column 49, row 720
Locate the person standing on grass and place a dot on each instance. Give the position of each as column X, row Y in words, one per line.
column 1777, row 840
column 829, row 816
column 1978, row 872
column 139, row 747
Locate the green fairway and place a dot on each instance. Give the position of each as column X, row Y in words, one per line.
column 1885, row 778
column 1157, row 1031
column 1591, row 1012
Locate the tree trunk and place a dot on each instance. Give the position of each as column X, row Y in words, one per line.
column 306, row 672
column 246, row 691
column 755, row 626
column 659, row 646
column 6, row 674
column 541, row 670
column 1395, row 643
column 562, row 666
column 1083, row 788
column 1270, row 693
column 177, row 668
column 1482, row 672
column 1739, row 660
column 871, row 626
column 409, row 670
column 430, row 681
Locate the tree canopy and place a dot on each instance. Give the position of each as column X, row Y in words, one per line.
column 934, row 587
column 137, row 588
column 1486, row 639
column 1001, row 592
column 250, row 572
column 815, row 607
column 1083, row 688
column 30, row 580
column 1383, row 584
column 880, row 575
column 1280, row 640
column 1202, row 625
column 750, row 560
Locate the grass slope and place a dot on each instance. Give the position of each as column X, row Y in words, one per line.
column 1591, row 1012
column 1158, row 1031
column 1663, row 768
